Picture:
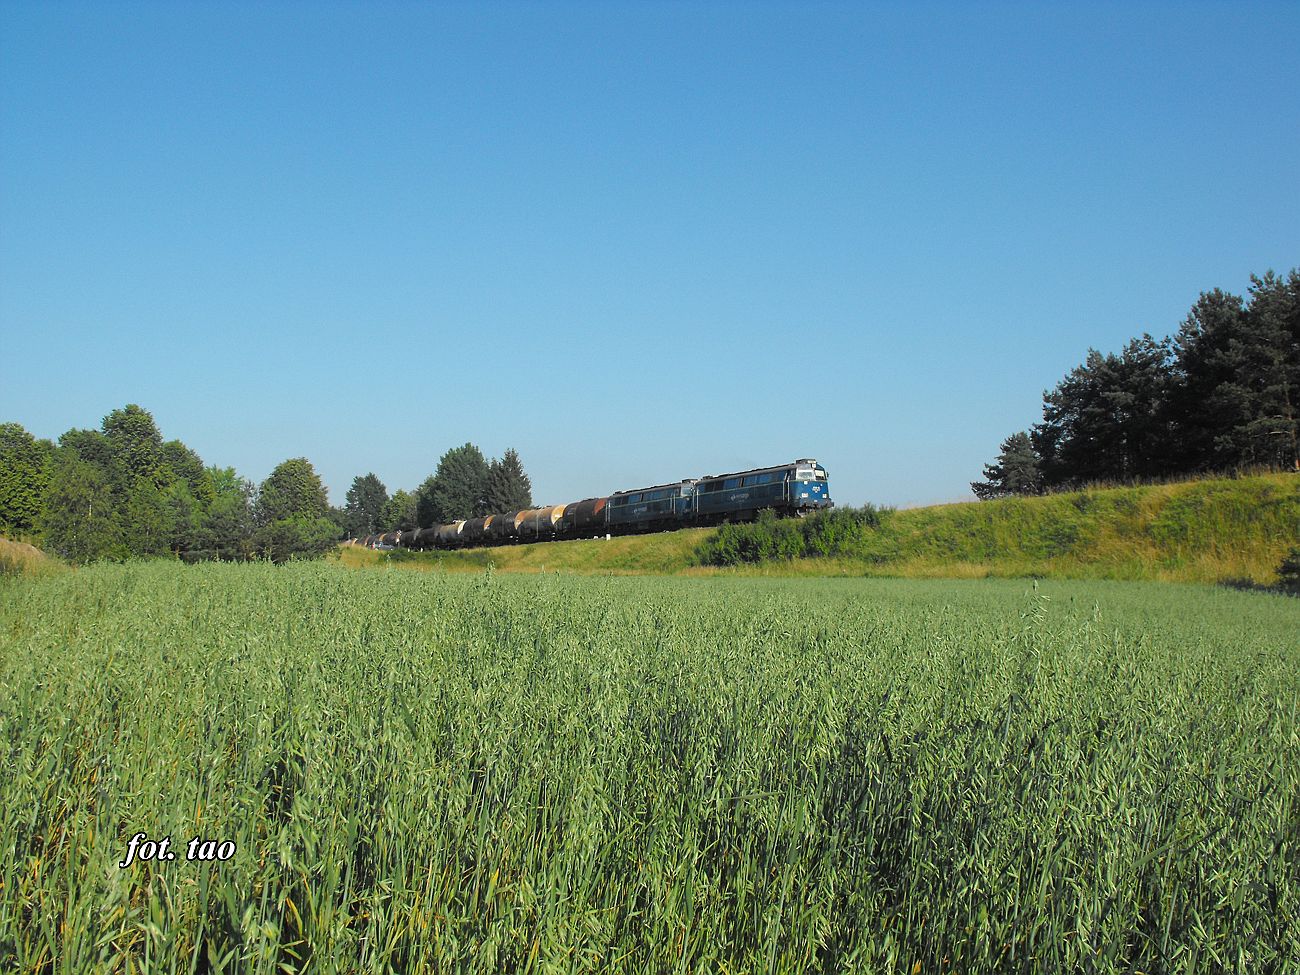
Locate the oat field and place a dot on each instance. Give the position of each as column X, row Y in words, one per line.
column 422, row 772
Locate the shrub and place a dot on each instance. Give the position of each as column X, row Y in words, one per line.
column 825, row 533
column 1289, row 573
column 296, row 537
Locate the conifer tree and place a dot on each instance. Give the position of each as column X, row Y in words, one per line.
column 508, row 487
column 1015, row 471
column 364, row 508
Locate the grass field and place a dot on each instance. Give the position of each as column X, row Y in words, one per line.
column 1211, row 530
column 431, row 772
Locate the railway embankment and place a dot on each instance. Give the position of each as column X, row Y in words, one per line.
column 1212, row 530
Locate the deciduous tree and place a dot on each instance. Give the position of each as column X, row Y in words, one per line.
column 24, row 479
column 296, row 537
column 293, row 511
column 399, row 513
column 80, row 521
column 293, row 489
column 459, row 487
column 227, row 526
column 136, row 444
column 183, row 464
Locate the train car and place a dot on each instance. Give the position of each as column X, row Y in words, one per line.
column 427, row 538
column 645, row 509
column 583, row 518
column 475, row 531
column 787, row 489
column 449, row 535
column 505, row 528
column 540, row 524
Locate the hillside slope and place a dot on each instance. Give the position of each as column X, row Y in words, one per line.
column 19, row 558
column 1212, row 530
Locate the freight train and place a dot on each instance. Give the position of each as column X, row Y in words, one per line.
column 788, row 489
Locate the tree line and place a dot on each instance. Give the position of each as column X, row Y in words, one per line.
column 465, row 485
column 1221, row 394
column 121, row 491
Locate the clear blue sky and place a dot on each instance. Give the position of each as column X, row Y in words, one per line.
column 635, row 241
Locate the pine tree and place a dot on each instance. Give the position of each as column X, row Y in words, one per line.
column 1015, row 471
column 365, row 506
column 1110, row 418
column 508, row 487
column 1238, row 401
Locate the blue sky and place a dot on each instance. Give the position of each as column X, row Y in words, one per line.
column 634, row 241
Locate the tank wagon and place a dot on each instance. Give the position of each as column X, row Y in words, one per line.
column 794, row 489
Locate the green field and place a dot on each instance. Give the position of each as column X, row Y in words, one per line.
column 425, row 772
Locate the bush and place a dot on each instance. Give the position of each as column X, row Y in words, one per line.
column 825, row 533
column 296, row 537
column 1289, row 573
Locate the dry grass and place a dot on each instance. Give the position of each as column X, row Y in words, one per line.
column 19, row 558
